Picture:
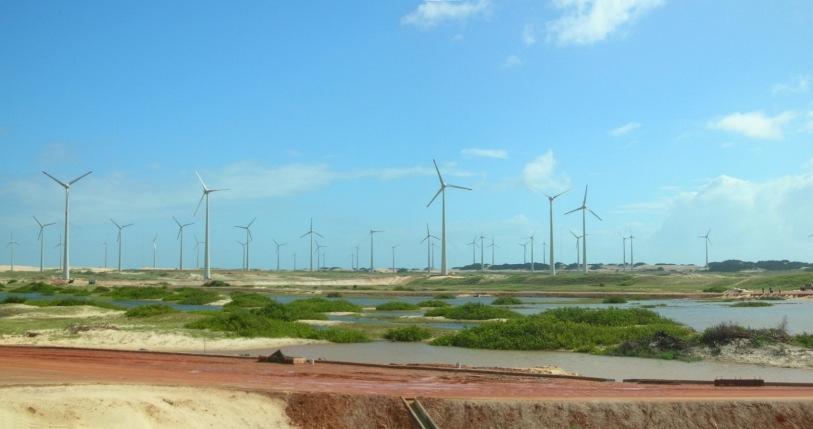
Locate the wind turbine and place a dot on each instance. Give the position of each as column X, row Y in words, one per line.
column 249, row 239
column 708, row 241
column 432, row 262
column 207, row 269
column 584, row 209
column 482, row 246
column 118, row 237
column 532, row 250
column 105, row 254
column 311, row 233
column 524, row 253
column 57, row 246
column 66, row 262
column 244, row 253
column 550, row 205
column 181, row 226
column 319, row 248
column 197, row 251
column 544, row 257
column 578, row 257
column 278, row 245
column 442, row 190
column 372, row 233
column 624, row 252
column 632, row 252
column 393, row 259
column 41, row 239
column 155, row 251
column 428, row 239
column 492, row 246
column 357, row 257
column 473, row 245
column 12, row 244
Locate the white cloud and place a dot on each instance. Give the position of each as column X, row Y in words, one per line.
column 625, row 129
column 540, row 175
column 800, row 85
column 432, row 13
column 754, row 124
column 485, row 153
column 528, row 35
column 586, row 22
column 511, row 61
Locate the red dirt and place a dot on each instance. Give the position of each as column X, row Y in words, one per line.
column 50, row 365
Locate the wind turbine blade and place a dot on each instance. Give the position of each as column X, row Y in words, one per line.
column 176, row 221
column 436, row 195
column 114, row 223
column 37, row 221
column 574, row 234
column 560, row 194
column 251, row 223
column 218, row 190
column 39, row 236
column 318, row 235
column 574, row 210
column 64, row 185
column 49, row 224
column 250, row 237
column 275, row 242
column 79, row 178
column 187, row 224
column 304, row 235
column 425, row 238
column 708, row 232
column 459, row 187
column 594, row 214
column 584, row 202
column 125, row 226
column 708, row 240
column 201, row 182
column 440, row 177
column 199, row 203
column 179, row 233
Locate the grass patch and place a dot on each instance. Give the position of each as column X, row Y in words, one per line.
column 322, row 305
column 396, row 306
column 726, row 333
column 248, row 300
column 748, row 304
column 150, row 310
column 444, row 296
column 38, row 287
column 433, row 303
column 14, row 300
column 614, row 300
column 408, row 334
column 72, row 302
column 139, row 292
column 289, row 313
column 715, row 289
column 216, row 283
column 193, row 296
column 804, row 340
column 472, row 311
column 506, row 300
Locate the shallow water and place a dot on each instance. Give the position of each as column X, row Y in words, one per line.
column 584, row 364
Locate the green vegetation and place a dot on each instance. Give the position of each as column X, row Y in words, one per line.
column 193, row 296
column 472, row 311
column 715, row 289
column 138, row 292
column 322, row 305
column 14, row 300
column 248, row 300
column 748, row 304
column 444, row 296
column 433, row 303
column 804, row 340
column 506, row 300
column 216, row 283
column 614, row 300
column 71, row 302
column 396, row 306
column 408, row 334
column 726, row 333
column 289, row 313
column 333, row 295
column 572, row 328
column 150, row 310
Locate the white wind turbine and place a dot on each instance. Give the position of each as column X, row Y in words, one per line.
column 482, row 254
column 12, row 244
column 244, row 253
column 319, row 260
column 118, row 238
column 632, row 252
column 105, row 254
column 443, row 185
column 473, row 244
column 550, row 206
column 372, row 233
column 531, row 238
column 155, row 252
column 197, row 251
column 311, row 233
column 181, row 226
column 584, row 209
column 41, row 238
column 393, row 259
column 624, row 252
column 59, row 246
column 707, row 242
column 428, row 239
column 524, row 253
column 578, row 250
column 66, row 261
column 249, row 239
column 492, row 246
column 278, row 245
column 207, row 269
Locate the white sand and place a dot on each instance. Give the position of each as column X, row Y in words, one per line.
column 320, row 322
column 137, row 406
column 155, row 341
column 23, row 311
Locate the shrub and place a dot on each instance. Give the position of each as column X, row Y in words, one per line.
column 506, row 300
column 433, row 303
column 248, row 300
column 715, row 289
column 216, row 283
column 748, row 304
column 139, row 292
column 804, row 340
column 472, row 311
column 444, row 296
column 101, row 289
column 661, row 344
column 614, row 300
column 726, row 333
column 250, row 324
column 277, row 311
column 38, row 287
column 396, row 306
column 408, row 334
column 72, row 302
column 333, row 295
column 150, row 310
column 192, row 296
column 14, row 300
column 322, row 305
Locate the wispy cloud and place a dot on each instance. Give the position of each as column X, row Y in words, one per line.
column 511, row 61
column 485, row 153
column 800, row 84
column 431, row 13
column 755, row 124
column 584, row 22
column 625, row 129
column 540, row 175
column 528, row 35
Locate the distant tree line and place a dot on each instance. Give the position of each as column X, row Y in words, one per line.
column 735, row 265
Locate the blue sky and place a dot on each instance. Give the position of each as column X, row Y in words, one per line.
column 681, row 116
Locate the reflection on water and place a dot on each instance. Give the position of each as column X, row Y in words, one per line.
column 584, row 364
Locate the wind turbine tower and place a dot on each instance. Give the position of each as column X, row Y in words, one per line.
column 155, row 252
column 532, row 251
column 624, row 252
column 428, row 239
column 66, row 261
column 41, row 238
column 443, row 185
column 492, row 246
column 632, row 252
column 550, row 206
column 278, row 245
column 393, row 259
column 524, row 253
column 207, row 269
column 12, row 244
column 473, row 245
column 311, row 233
column 584, row 209
column 105, row 254
column 118, row 238
column 578, row 250
column 249, row 239
column 482, row 249
column 372, row 234
column 707, row 242
column 181, row 226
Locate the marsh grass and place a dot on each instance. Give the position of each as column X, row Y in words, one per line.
column 506, row 300
column 396, row 306
column 150, row 310
column 408, row 334
column 433, row 303
column 472, row 311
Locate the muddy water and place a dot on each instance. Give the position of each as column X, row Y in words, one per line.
column 584, row 364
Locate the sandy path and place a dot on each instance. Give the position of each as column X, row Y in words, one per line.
column 135, row 407
column 45, row 365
